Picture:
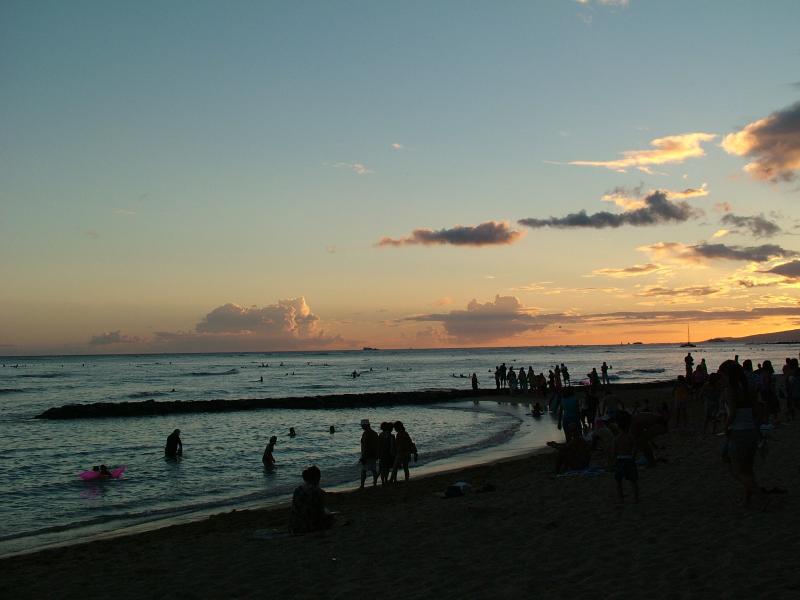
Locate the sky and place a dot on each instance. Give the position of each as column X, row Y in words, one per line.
column 247, row 176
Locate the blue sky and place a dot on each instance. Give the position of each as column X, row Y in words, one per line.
column 160, row 160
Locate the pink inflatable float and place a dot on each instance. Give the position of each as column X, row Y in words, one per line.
column 92, row 475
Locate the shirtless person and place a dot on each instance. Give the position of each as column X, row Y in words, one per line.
column 174, row 447
column 370, row 450
column 625, row 450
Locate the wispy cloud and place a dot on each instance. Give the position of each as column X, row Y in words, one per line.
column 757, row 225
column 356, row 167
column 720, row 233
column 772, row 144
column 790, row 270
column 704, row 252
column 691, row 291
column 673, row 149
column 656, row 209
column 124, row 211
column 397, row 146
column 491, row 233
column 632, row 271
column 506, row 317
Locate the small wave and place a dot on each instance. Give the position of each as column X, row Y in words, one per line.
column 649, row 370
column 212, row 373
column 147, row 394
column 11, row 391
column 43, row 375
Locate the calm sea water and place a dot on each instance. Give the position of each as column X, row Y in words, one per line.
column 43, row 501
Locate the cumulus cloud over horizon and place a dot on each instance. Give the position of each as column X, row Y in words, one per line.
column 673, row 149
column 699, row 253
column 491, row 233
column 772, row 144
column 113, row 337
column 656, row 209
column 758, row 225
column 506, row 317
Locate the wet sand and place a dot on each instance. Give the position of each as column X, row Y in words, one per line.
column 536, row 535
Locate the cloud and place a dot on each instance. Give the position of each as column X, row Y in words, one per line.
column 700, row 253
column 356, row 167
column 287, row 318
column 722, row 207
column 719, row 233
column 444, row 301
column 506, row 317
column 502, row 318
column 113, row 337
column 790, row 270
column 491, row 233
column 758, row 225
column 632, row 271
column 773, row 144
column 657, row 209
column 397, row 146
column 689, row 291
column 632, row 198
column 673, row 149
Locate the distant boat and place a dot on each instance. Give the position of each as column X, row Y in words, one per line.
column 688, row 343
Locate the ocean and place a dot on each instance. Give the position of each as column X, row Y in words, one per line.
column 43, row 502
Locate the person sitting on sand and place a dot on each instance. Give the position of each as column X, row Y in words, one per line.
column 537, row 411
column 369, row 453
column 573, row 455
column 624, row 449
column 174, row 447
column 404, row 448
column 267, row 458
column 308, row 505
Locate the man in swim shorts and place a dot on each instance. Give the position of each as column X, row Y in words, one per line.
column 370, row 450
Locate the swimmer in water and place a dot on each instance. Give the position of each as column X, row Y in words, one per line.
column 174, row 447
column 332, row 429
column 292, row 432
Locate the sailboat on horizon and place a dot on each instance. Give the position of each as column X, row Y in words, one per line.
column 688, row 343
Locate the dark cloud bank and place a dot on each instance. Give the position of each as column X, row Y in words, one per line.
column 491, row 233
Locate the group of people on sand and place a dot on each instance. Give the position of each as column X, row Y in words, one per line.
column 743, row 401
column 523, row 381
column 382, row 455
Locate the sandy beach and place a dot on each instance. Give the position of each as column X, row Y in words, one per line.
column 536, row 534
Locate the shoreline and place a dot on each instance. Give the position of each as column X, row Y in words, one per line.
column 559, row 537
column 519, row 443
column 142, row 408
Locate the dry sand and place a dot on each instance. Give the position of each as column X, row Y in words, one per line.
column 536, row 535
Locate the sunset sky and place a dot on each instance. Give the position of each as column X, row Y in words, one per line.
column 203, row 176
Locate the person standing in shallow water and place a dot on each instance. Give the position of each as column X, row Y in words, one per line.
column 369, row 453
column 405, row 447
column 386, row 445
column 267, row 459
column 474, row 382
column 174, row 447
